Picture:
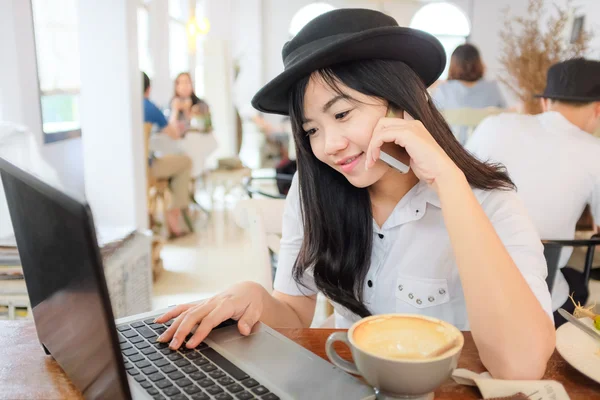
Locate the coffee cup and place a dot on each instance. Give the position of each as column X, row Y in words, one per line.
column 402, row 356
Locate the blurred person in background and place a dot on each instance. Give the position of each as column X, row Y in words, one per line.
column 187, row 108
column 553, row 159
column 177, row 168
column 465, row 87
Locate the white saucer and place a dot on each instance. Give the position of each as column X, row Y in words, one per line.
column 579, row 349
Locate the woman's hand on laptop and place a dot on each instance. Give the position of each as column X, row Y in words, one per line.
column 242, row 302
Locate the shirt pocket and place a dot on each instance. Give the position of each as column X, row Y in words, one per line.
column 421, row 293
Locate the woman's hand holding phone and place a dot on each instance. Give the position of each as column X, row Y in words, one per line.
column 427, row 159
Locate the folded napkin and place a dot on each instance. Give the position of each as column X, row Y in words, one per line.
column 496, row 388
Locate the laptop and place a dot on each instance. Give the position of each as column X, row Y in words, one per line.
column 108, row 359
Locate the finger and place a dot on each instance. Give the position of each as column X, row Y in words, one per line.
column 169, row 315
column 186, row 325
column 209, row 322
column 170, row 332
column 386, row 122
column 382, row 125
column 248, row 320
column 388, row 135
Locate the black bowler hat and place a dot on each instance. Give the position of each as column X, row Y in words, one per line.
column 348, row 35
column 577, row 79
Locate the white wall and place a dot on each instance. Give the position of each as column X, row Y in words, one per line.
column 162, row 84
column 246, row 47
column 218, row 74
column 591, row 10
column 111, row 113
column 488, row 21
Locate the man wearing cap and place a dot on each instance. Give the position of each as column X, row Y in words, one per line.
column 554, row 160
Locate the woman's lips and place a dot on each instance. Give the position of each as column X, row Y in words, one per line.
column 348, row 167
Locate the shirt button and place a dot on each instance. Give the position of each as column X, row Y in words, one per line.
column 442, row 291
column 380, row 235
column 410, row 296
column 400, row 287
column 431, row 299
column 370, row 283
column 419, row 301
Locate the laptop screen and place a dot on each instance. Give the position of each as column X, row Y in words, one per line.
column 65, row 283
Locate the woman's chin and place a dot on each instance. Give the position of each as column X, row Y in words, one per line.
column 363, row 180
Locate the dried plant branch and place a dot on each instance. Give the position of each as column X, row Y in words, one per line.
column 527, row 51
column 581, row 311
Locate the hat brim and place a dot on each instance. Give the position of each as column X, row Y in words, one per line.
column 566, row 98
column 420, row 51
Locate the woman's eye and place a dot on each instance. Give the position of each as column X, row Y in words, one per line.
column 311, row 132
column 341, row 115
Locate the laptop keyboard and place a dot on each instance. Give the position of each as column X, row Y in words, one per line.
column 197, row 374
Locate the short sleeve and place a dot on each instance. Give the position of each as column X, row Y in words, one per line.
column 291, row 240
column 509, row 217
column 153, row 115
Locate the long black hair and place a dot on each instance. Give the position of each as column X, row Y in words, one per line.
column 337, row 216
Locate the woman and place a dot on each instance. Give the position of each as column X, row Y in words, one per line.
column 187, row 106
column 449, row 239
column 466, row 87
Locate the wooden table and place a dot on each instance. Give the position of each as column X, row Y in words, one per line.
column 27, row 373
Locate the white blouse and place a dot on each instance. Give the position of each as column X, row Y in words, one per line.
column 413, row 269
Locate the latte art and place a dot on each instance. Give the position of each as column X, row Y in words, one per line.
column 405, row 337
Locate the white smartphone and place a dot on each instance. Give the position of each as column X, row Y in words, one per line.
column 389, row 160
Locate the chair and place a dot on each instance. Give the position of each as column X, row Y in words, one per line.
column 254, row 191
column 552, row 250
column 156, row 189
column 262, row 218
column 469, row 117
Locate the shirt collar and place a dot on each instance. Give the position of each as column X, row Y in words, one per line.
column 412, row 206
column 553, row 121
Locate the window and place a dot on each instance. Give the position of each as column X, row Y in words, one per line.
column 199, row 73
column 56, row 32
column 307, row 14
column 178, row 41
column 178, row 49
column 178, row 9
column 446, row 22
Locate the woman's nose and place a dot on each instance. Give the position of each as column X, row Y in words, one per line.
column 335, row 143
